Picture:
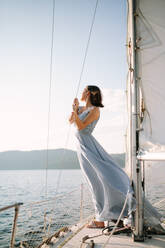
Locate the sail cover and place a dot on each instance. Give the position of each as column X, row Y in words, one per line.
column 150, row 36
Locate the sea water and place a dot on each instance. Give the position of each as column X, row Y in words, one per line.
column 30, row 185
column 32, row 188
column 61, row 190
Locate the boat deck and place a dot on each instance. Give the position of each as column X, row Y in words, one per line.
column 73, row 238
column 116, row 241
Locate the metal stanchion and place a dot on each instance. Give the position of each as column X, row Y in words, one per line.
column 16, row 206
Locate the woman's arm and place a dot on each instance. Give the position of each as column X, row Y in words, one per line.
column 92, row 116
column 71, row 118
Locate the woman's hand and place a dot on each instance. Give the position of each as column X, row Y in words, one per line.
column 75, row 105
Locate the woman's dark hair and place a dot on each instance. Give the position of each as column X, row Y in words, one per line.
column 95, row 96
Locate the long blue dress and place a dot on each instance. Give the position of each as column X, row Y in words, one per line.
column 108, row 183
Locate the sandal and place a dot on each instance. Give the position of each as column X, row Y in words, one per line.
column 95, row 224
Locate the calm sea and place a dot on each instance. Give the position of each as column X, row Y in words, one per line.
column 30, row 188
column 37, row 217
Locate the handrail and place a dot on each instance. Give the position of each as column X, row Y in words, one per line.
column 16, row 206
column 11, row 206
column 27, row 208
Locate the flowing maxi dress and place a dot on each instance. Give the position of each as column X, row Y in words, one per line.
column 108, row 183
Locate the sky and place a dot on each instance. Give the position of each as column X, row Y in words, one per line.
column 25, row 40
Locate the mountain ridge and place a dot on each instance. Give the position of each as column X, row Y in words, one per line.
column 37, row 159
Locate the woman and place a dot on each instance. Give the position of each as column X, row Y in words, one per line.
column 108, row 183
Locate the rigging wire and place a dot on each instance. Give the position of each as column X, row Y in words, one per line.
column 49, row 106
column 50, row 89
column 78, row 85
column 87, row 46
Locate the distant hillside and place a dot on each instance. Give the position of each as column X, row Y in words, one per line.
column 33, row 160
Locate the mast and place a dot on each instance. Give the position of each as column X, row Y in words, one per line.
column 133, row 123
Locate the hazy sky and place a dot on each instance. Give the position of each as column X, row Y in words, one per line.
column 25, row 38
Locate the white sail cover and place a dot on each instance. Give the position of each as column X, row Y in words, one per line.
column 147, row 68
column 150, row 29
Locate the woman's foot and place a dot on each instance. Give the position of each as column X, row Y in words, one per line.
column 120, row 224
column 96, row 224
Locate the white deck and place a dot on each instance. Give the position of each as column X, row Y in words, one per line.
column 72, row 238
column 116, row 241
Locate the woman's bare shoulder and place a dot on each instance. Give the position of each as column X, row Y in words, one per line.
column 96, row 111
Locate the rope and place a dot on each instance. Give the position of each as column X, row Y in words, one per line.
column 116, row 224
column 78, row 87
column 87, row 47
column 114, row 227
